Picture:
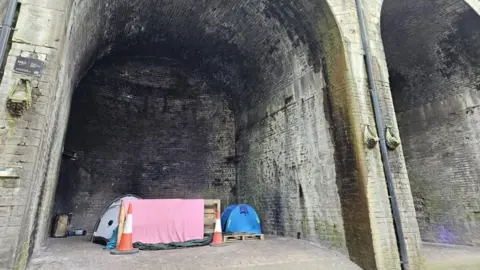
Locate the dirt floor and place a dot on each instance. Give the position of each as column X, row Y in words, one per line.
column 76, row 253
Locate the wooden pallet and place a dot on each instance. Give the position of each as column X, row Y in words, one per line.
column 242, row 237
column 210, row 213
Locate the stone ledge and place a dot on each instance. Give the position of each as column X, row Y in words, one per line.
column 59, row 5
column 9, row 173
column 39, row 26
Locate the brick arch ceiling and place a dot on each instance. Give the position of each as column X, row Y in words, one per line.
column 243, row 45
column 432, row 49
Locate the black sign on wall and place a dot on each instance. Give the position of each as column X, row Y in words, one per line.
column 28, row 66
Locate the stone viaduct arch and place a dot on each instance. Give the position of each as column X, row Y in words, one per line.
column 289, row 79
column 433, row 59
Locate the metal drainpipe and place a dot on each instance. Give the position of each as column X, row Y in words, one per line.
column 7, row 28
column 383, row 146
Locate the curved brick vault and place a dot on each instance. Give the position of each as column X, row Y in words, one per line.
column 433, row 57
column 234, row 76
column 257, row 101
column 204, row 100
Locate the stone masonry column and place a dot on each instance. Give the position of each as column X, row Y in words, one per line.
column 396, row 157
column 24, row 145
column 367, row 214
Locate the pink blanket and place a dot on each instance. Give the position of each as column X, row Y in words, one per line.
column 166, row 221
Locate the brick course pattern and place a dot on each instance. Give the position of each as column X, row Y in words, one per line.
column 434, row 75
column 293, row 79
column 171, row 141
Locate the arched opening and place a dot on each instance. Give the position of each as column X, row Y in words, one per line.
column 222, row 100
column 433, row 56
column 149, row 127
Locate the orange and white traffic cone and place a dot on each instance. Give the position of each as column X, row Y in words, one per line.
column 217, row 234
column 126, row 246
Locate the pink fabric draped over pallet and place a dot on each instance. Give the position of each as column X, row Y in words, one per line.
column 167, row 221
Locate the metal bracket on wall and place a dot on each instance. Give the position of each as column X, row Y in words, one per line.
column 369, row 137
column 392, row 139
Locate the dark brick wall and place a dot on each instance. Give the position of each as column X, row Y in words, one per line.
column 261, row 56
column 433, row 55
column 253, row 58
column 265, row 55
column 431, row 49
column 146, row 127
column 442, row 156
column 287, row 167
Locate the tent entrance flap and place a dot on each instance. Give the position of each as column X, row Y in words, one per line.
column 108, row 221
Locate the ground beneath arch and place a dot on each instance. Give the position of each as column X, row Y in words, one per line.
column 77, row 253
column 272, row 253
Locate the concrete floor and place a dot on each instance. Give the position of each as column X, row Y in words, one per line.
column 448, row 257
column 77, row 253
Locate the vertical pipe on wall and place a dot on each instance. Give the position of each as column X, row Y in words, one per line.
column 383, row 146
column 7, row 28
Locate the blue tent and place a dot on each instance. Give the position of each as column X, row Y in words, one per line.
column 240, row 218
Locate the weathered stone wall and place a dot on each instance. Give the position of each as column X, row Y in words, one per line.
column 26, row 142
column 3, row 9
column 145, row 127
column 250, row 73
column 287, row 162
column 433, row 56
column 263, row 74
column 279, row 63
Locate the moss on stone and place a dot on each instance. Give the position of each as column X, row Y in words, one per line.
column 329, row 233
column 473, row 217
column 23, row 256
column 11, row 126
column 305, row 227
column 346, row 114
